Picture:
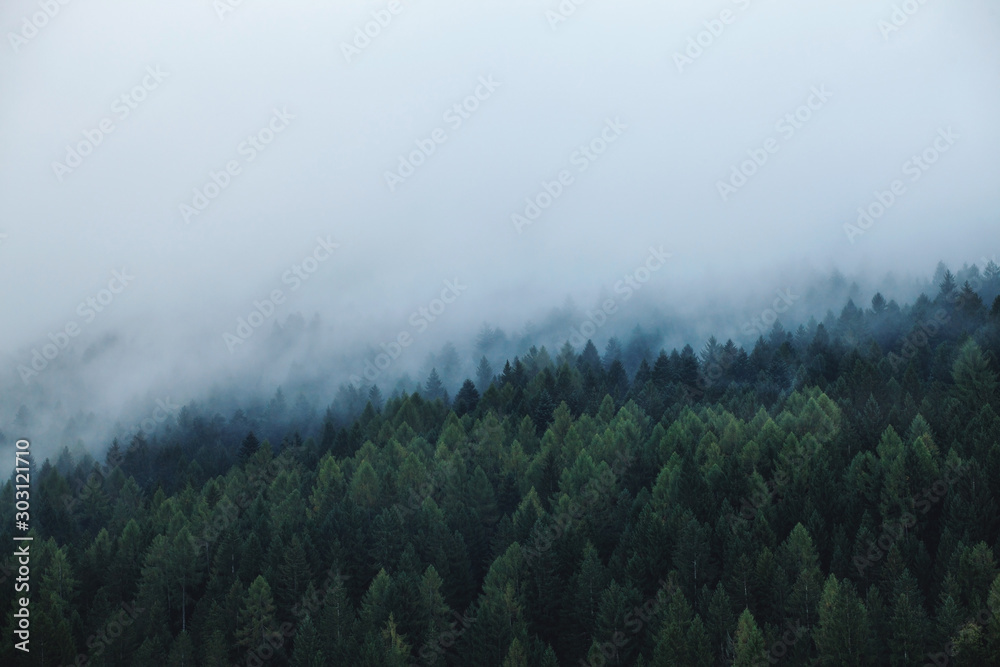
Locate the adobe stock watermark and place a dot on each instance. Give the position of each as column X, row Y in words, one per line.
column 227, row 510
column 922, row 334
column 93, row 485
column 420, row 320
column 892, row 531
column 762, row 323
column 982, row 617
column 311, row 603
column 434, row 481
column 264, row 309
column 88, row 309
column 431, row 651
column 219, row 181
column 33, row 24
column 714, row 28
column 787, row 126
column 918, row 338
column 631, row 283
column 582, row 158
column 775, row 486
column 779, row 649
column 122, row 108
column 112, row 629
column 455, row 116
column 163, row 410
column 634, row 621
column 562, row 13
column 363, row 35
column 225, row 7
column 900, row 16
column 915, row 168
column 543, row 536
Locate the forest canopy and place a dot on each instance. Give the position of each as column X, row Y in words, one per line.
column 827, row 497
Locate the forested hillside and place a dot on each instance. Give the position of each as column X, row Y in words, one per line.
column 829, row 496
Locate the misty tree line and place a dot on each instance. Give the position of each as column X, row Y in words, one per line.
column 828, row 496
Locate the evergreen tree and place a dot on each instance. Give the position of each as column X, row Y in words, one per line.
column 249, row 447
column 974, row 380
column 612, row 352
column 306, row 651
column 947, row 285
column 842, row 635
column 547, row 506
column 878, row 304
column 749, row 642
column 484, row 375
column 466, row 399
column 434, row 388
column 590, row 359
column 182, row 652
column 256, row 621
column 375, row 398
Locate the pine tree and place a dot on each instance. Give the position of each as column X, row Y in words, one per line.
column 878, row 303
column 329, row 487
column 256, row 619
column 671, row 642
column 909, row 624
column 947, row 285
column 616, row 603
column 375, row 398
column 617, row 380
column 588, row 583
column 151, row 652
column 516, row 655
column 337, row 625
column 182, row 652
column 216, row 649
column 434, row 388
column 971, row 303
column 395, row 650
column 698, row 645
column 294, row 571
column 500, row 611
column 489, row 338
column 365, row 487
column 484, row 375
column 612, row 352
column 433, row 612
column 466, row 399
column 589, row 359
column 749, row 642
column 114, row 457
column 662, row 373
column 249, row 447
column 687, row 369
column 711, row 353
column 691, row 555
column 842, row 635
column 992, row 273
column 306, row 651
column 975, row 381
column 186, row 569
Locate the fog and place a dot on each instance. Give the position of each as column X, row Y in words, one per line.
column 520, row 163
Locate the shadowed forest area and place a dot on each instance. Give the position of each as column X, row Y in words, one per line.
column 827, row 497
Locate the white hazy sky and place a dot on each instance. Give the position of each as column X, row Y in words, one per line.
column 324, row 174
